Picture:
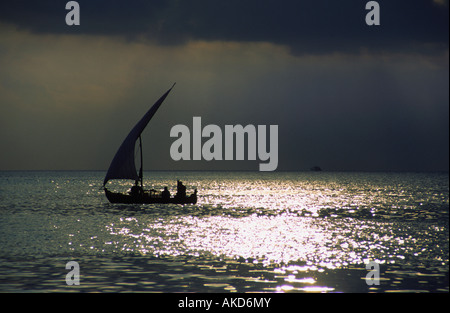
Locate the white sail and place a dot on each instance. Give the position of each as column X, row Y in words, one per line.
column 123, row 165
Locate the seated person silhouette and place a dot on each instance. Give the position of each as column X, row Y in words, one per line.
column 136, row 190
column 165, row 194
column 194, row 195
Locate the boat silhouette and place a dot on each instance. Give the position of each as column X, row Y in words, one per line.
column 123, row 167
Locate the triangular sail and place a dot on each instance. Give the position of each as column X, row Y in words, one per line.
column 123, row 166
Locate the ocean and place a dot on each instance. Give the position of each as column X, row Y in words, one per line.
column 274, row 232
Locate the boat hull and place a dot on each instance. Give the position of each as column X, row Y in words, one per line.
column 117, row 197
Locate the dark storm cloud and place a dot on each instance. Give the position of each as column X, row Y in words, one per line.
column 305, row 26
column 346, row 96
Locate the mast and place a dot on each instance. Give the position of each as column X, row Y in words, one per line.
column 141, row 176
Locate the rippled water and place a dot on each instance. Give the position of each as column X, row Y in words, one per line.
column 250, row 231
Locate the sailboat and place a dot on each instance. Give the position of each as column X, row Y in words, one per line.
column 123, row 167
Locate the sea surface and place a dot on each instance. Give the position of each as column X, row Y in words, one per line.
column 249, row 232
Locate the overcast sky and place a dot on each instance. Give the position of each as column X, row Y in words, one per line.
column 345, row 96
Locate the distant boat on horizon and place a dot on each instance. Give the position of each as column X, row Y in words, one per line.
column 316, row 169
column 123, row 167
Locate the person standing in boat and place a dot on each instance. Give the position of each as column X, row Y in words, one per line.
column 181, row 190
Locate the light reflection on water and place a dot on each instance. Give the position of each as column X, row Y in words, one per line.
column 277, row 232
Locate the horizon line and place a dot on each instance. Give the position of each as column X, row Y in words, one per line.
column 253, row 171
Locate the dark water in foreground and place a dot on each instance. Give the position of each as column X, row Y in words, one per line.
column 249, row 232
